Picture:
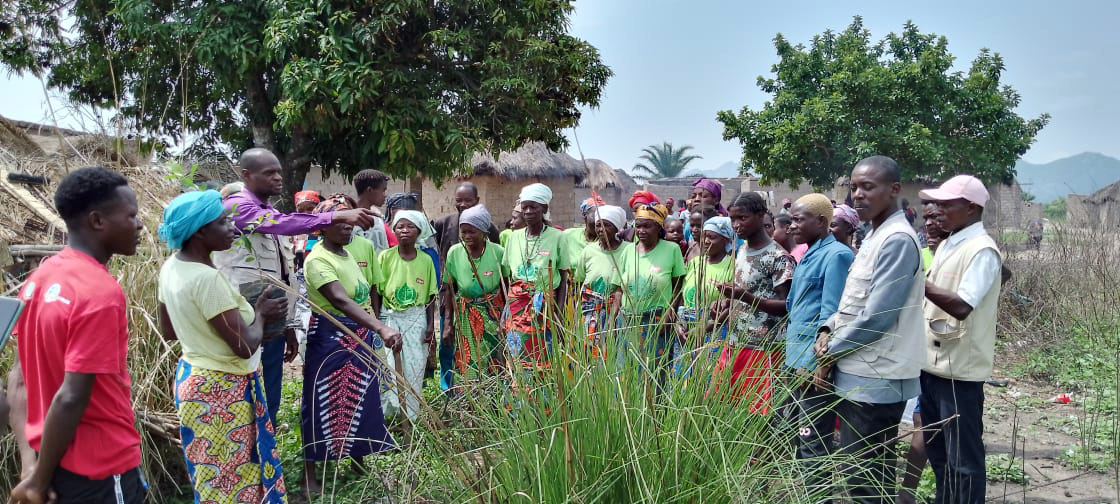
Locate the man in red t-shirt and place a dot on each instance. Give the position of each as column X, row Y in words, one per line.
column 73, row 344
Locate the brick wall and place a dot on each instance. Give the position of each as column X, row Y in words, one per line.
column 496, row 193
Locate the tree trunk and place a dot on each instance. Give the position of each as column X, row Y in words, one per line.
column 295, row 164
column 416, row 185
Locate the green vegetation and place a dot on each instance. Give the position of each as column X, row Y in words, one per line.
column 844, row 97
column 1003, row 467
column 1055, row 210
column 663, row 161
column 396, row 84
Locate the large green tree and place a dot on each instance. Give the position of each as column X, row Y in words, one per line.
column 663, row 161
column 411, row 87
column 845, row 97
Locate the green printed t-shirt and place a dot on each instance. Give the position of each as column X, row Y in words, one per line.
column 528, row 259
column 722, row 272
column 323, row 267
column 647, row 279
column 575, row 241
column 460, row 274
column 407, row 283
column 364, row 253
column 598, row 269
column 927, row 258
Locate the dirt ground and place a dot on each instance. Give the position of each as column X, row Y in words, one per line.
column 1042, row 431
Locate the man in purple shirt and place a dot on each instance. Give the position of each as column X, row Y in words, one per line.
column 259, row 255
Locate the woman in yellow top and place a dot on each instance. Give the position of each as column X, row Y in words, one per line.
column 408, row 296
column 343, row 381
column 219, row 372
column 700, row 293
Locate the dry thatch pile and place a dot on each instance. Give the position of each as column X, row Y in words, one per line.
column 531, row 160
column 51, row 153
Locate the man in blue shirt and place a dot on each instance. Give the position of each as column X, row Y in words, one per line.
column 818, row 282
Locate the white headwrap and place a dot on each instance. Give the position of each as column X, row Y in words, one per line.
column 537, row 192
column 612, row 214
column 417, row 219
column 476, row 216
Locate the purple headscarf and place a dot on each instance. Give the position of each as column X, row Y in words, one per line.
column 714, row 187
column 847, row 214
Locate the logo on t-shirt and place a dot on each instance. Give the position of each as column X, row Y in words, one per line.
column 655, row 269
column 362, row 264
column 54, row 293
column 29, row 291
column 487, row 273
column 544, row 253
column 419, row 281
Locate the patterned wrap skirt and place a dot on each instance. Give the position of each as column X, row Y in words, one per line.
column 341, row 414
column 526, row 326
column 478, row 327
column 594, row 307
column 411, row 323
column 227, row 437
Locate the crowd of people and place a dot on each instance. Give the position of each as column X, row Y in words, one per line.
column 855, row 330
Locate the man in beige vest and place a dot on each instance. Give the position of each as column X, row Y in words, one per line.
column 960, row 322
column 870, row 350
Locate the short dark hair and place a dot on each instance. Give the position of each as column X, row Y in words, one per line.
column 884, row 165
column 706, row 211
column 369, row 179
column 782, row 220
column 85, row 189
column 749, row 202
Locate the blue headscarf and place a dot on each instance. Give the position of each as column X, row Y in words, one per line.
column 722, row 227
column 188, row 213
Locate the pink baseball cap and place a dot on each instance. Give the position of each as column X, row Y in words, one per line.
column 964, row 187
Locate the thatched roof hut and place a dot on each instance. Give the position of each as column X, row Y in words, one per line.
column 533, row 160
column 49, row 153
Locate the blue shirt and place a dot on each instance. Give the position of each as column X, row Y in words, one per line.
column 818, row 282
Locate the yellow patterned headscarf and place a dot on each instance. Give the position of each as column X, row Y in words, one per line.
column 655, row 212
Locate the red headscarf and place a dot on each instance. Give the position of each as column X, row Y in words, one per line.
column 643, row 198
column 303, row 196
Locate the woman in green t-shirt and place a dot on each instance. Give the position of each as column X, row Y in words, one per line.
column 538, row 264
column 651, row 281
column 336, row 361
column 597, row 271
column 472, row 299
column 408, row 304
column 700, row 294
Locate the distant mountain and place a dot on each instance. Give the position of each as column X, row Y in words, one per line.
column 1083, row 173
column 726, row 170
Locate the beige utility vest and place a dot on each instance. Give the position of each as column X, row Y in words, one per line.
column 255, row 256
column 962, row 349
column 899, row 354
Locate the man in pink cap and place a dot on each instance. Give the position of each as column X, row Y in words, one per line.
column 962, row 288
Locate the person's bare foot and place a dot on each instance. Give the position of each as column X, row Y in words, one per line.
column 311, row 487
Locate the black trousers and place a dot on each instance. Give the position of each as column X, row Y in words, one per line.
column 813, row 419
column 866, row 431
column 127, row 488
column 956, row 449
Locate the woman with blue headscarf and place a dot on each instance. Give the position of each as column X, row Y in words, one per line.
column 697, row 322
column 219, row 371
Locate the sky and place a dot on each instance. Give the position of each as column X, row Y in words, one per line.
column 678, row 62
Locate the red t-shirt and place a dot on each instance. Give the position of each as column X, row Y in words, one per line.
column 75, row 321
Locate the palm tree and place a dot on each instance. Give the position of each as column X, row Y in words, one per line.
column 663, row 161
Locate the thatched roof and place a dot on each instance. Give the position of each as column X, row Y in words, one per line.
column 1109, row 194
column 45, row 151
column 533, row 160
column 601, row 175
